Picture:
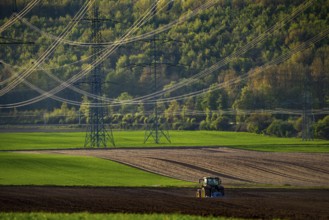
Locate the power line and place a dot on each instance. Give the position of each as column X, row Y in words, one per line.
column 153, row 95
column 278, row 25
column 159, row 30
column 45, row 54
column 260, row 69
column 13, row 18
column 86, row 70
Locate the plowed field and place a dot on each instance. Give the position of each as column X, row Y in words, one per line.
column 247, row 203
column 235, row 167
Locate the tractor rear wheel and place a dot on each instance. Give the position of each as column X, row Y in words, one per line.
column 221, row 190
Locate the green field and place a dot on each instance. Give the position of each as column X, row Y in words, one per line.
column 21, row 168
column 58, row 140
column 112, row 216
column 46, row 169
column 63, row 170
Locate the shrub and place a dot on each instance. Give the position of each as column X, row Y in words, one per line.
column 322, row 128
column 281, row 128
column 257, row 123
column 204, row 125
column 224, row 124
column 221, row 123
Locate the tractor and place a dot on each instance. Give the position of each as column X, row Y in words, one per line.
column 210, row 188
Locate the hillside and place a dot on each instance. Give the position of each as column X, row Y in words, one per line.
column 233, row 56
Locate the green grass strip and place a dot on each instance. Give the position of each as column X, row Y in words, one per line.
column 123, row 139
column 63, row 170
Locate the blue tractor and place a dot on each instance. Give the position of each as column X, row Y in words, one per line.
column 210, row 188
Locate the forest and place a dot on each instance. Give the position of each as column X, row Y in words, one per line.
column 258, row 66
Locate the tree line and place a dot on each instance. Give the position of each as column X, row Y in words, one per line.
column 175, row 117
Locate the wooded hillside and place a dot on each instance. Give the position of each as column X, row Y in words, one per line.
column 238, row 64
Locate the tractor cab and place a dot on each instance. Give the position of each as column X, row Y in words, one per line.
column 211, row 181
column 210, row 188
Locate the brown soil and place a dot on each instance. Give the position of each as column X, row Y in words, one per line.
column 246, row 203
column 235, row 167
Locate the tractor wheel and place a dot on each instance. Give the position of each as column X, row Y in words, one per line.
column 198, row 193
column 221, row 190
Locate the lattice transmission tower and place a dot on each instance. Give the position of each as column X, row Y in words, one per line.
column 154, row 129
column 307, row 119
column 97, row 135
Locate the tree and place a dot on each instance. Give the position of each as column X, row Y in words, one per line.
column 172, row 112
column 214, row 99
column 125, row 106
column 322, row 128
column 281, row 128
column 221, row 123
column 85, row 108
column 257, row 123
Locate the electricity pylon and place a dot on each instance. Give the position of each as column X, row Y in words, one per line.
column 307, row 120
column 154, row 130
column 97, row 135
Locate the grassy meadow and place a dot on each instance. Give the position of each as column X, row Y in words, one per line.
column 64, row 170
column 63, row 140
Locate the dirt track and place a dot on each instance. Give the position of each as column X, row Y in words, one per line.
column 247, row 203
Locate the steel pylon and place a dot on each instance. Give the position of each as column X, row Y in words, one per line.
column 154, row 130
column 97, row 135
